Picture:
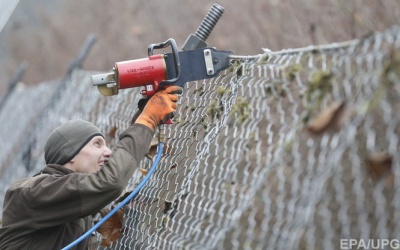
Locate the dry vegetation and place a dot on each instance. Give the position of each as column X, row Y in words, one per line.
column 124, row 30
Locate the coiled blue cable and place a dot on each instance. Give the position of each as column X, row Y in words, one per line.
column 124, row 202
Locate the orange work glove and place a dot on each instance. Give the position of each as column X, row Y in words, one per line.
column 141, row 104
column 160, row 107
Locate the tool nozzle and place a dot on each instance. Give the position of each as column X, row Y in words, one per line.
column 105, row 83
column 102, row 79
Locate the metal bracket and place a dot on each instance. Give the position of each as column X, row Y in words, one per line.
column 209, row 61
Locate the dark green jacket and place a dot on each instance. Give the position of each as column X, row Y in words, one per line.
column 50, row 210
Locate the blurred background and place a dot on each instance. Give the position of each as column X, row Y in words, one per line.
column 47, row 35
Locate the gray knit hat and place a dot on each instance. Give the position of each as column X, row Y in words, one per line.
column 67, row 140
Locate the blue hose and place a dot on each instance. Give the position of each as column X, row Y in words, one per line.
column 124, row 202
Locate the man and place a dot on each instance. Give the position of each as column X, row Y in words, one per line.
column 82, row 175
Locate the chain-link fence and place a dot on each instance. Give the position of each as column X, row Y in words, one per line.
column 295, row 149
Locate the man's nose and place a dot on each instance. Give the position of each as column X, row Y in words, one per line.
column 107, row 152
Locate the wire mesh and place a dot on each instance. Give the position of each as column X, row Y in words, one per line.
column 295, row 149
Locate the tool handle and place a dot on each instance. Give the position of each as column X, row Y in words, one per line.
column 208, row 23
column 170, row 42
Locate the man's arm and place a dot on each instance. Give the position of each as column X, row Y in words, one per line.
column 77, row 195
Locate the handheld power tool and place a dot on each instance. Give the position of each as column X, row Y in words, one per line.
column 196, row 61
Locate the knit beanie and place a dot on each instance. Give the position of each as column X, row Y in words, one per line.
column 67, row 140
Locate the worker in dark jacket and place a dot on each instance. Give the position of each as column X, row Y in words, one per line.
column 82, row 175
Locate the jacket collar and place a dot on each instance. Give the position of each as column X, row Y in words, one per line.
column 53, row 169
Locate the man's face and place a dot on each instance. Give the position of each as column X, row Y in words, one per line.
column 91, row 157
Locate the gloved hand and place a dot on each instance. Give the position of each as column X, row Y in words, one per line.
column 160, row 107
column 141, row 104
